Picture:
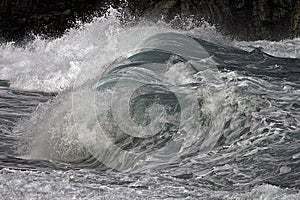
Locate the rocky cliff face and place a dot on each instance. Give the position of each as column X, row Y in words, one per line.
column 241, row 19
column 19, row 18
column 259, row 19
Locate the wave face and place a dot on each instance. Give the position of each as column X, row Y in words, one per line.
column 187, row 113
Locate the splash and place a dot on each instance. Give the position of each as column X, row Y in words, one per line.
column 136, row 99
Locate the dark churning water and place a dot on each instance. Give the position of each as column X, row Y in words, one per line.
column 149, row 112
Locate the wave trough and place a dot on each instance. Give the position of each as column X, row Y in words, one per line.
column 186, row 107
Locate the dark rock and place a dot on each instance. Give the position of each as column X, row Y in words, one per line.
column 241, row 19
column 20, row 18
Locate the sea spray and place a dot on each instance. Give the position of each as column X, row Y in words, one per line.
column 235, row 136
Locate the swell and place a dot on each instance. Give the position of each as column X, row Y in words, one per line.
column 201, row 111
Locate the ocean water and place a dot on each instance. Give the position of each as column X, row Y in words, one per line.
column 147, row 111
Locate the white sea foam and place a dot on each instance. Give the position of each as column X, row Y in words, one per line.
column 77, row 60
column 82, row 54
column 289, row 48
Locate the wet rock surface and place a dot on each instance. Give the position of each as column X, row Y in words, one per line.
column 240, row 19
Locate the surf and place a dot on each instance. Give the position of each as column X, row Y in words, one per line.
column 113, row 102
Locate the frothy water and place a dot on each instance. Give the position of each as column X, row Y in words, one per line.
column 147, row 111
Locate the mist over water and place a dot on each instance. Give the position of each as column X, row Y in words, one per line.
column 149, row 111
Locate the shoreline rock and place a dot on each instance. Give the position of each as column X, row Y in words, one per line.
column 239, row 19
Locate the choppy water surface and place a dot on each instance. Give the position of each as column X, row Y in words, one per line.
column 149, row 112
